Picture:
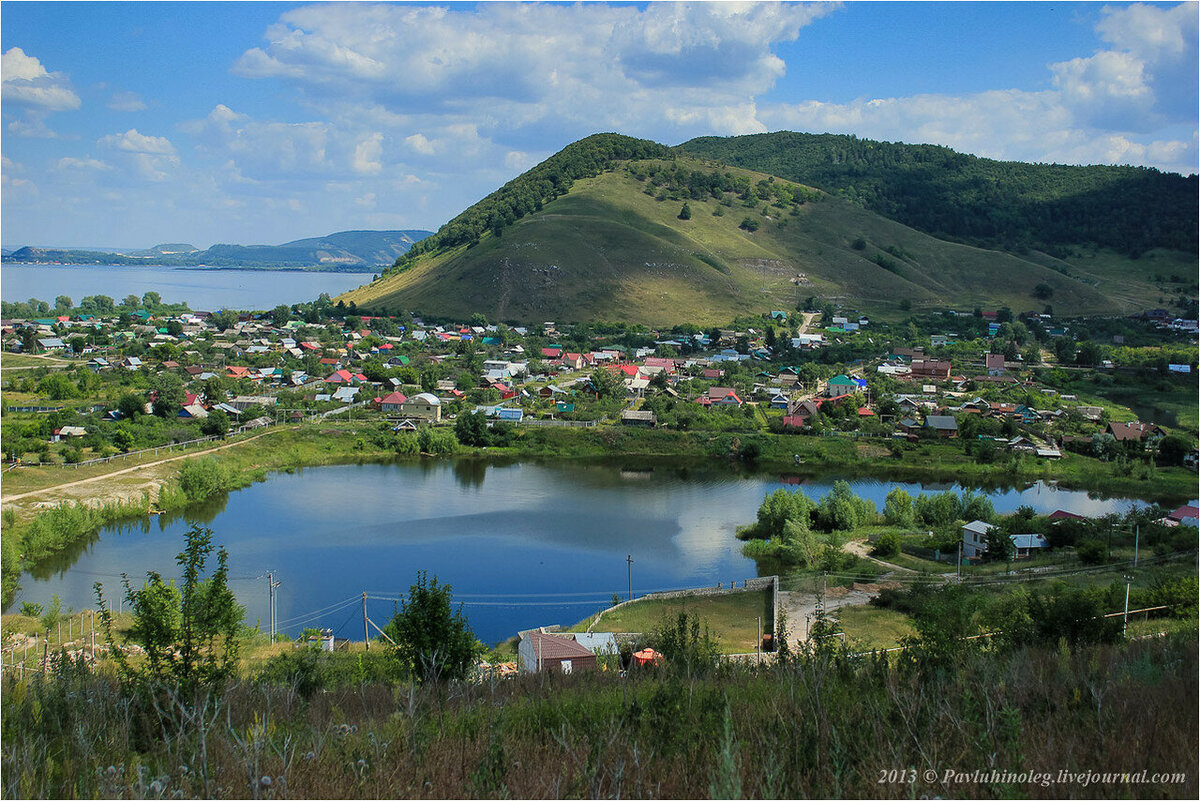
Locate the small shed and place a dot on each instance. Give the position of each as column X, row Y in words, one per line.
column 548, row 652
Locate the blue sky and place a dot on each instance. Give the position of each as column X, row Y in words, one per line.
column 128, row 124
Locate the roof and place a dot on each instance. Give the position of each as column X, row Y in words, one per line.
column 549, row 646
column 1029, row 541
column 1062, row 515
column 395, row 397
column 426, row 397
column 978, row 527
column 941, row 422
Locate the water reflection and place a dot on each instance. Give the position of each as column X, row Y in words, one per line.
column 495, row 528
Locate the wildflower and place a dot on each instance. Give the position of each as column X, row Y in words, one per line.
column 265, row 781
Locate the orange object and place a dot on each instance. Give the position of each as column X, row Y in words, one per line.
column 647, row 656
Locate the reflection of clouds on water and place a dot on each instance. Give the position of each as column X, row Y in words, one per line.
column 330, row 532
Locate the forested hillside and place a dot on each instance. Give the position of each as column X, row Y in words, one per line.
column 1004, row 204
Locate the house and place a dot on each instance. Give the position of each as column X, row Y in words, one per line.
column 646, row 419
column 540, row 652
column 974, row 538
column 931, row 368
column 193, row 411
column 1025, row 544
column 1135, row 431
column 346, row 394
column 840, row 385
column 243, row 402
column 994, row 362
column 943, row 425
column 67, row 431
column 720, row 396
column 391, row 404
column 1063, row 515
column 1186, row 515
column 52, row 343
column 424, row 406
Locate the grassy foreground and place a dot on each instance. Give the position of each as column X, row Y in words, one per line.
column 1035, row 722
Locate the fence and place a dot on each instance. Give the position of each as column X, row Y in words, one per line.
column 172, row 446
column 560, row 423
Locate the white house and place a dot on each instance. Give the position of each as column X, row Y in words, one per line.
column 974, row 538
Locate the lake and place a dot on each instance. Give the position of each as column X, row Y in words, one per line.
column 202, row 289
column 523, row 544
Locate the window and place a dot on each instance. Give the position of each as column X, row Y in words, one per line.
column 566, row 666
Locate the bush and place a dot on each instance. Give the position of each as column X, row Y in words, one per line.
column 202, row 478
column 1092, row 552
column 888, row 545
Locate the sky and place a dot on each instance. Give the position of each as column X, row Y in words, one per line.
column 130, row 124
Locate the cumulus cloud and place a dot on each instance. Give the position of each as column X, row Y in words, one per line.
column 516, row 64
column 151, row 158
column 27, row 83
column 367, row 154
column 1107, row 108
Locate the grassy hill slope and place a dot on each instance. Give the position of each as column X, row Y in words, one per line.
column 613, row 247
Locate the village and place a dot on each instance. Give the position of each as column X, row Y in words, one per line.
column 999, row 388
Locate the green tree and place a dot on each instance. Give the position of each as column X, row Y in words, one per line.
column 280, row 315
column 63, row 303
column 606, row 384
column 216, row 424
column 898, row 509
column 151, row 300
column 131, row 405
column 188, row 633
column 888, row 545
column 686, row 212
column 169, row 394
column 433, row 641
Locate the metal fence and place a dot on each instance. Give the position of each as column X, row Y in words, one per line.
column 560, row 423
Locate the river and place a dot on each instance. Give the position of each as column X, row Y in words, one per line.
column 523, row 544
column 203, row 289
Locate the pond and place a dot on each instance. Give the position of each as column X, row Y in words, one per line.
column 523, row 544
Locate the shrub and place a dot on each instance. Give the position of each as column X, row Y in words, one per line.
column 888, row 545
column 202, row 478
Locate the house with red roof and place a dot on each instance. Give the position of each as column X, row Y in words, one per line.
column 236, row 371
column 1187, row 515
column 552, row 353
column 391, row 403
column 720, row 396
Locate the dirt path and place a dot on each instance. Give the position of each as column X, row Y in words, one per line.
column 859, row 548
column 801, row 606
column 146, row 468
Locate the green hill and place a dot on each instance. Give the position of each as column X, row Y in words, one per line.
column 612, row 246
column 983, row 202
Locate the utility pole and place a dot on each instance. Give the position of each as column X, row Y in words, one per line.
column 93, row 617
column 629, row 574
column 1137, row 531
column 960, row 561
column 758, row 647
column 366, row 633
column 272, row 584
column 1125, row 619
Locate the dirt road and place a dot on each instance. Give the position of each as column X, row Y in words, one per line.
column 801, row 606
column 148, row 476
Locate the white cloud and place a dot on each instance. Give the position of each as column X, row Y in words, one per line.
column 367, row 154
column 510, row 65
column 126, row 101
column 69, row 163
column 1108, row 108
column 151, row 158
column 25, row 82
column 420, row 144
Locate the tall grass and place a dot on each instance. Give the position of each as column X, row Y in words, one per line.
column 823, row 724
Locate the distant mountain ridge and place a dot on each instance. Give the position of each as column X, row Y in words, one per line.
column 352, row 251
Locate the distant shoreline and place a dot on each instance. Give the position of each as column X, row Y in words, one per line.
column 357, row 269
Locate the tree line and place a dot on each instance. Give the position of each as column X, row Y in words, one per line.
column 980, row 201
